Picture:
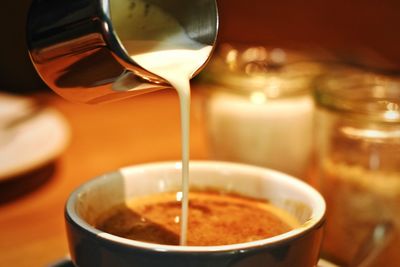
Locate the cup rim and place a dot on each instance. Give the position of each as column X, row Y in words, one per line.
column 316, row 221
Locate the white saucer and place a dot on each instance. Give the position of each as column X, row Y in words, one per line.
column 35, row 140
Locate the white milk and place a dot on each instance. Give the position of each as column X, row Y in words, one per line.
column 176, row 65
column 157, row 42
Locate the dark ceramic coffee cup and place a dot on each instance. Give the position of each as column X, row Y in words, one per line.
column 296, row 248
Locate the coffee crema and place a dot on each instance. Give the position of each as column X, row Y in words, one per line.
column 214, row 219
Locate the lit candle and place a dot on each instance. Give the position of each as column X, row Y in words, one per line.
column 264, row 117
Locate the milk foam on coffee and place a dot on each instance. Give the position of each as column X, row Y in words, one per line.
column 174, row 57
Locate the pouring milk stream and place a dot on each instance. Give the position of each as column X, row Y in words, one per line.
column 175, row 59
column 174, row 66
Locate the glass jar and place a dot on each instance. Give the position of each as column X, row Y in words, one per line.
column 357, row 166
column 259, row 106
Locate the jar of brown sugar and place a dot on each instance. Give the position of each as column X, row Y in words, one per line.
column 357, row 166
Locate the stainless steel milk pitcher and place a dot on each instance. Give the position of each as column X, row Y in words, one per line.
column 77, row 46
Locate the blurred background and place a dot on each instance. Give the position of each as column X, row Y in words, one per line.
column 360, row 32
column 251, row 100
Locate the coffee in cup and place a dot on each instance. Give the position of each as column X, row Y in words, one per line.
column 239, row 183
column 156, row 219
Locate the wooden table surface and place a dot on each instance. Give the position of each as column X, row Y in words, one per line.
column 104, row 137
